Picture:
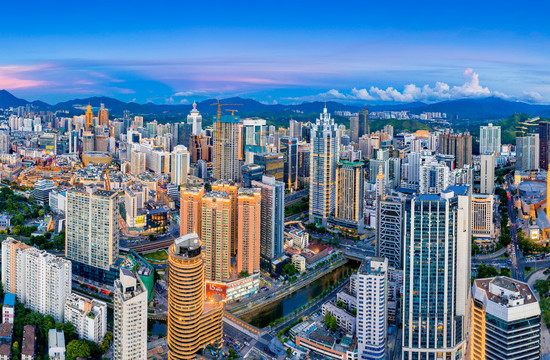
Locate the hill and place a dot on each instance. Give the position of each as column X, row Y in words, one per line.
column 508, row 127
column 399, row 125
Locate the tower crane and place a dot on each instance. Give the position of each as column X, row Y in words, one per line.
column 218, row 134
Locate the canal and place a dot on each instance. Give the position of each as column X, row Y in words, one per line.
column 293, row 301
column 284, row 306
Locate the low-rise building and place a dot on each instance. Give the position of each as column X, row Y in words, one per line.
column 28, row 347
column 8, row 310
column 89, row 317
column 299, row 263
column 348, row 299
column 344, row 319
column 56, row 344
column 314, row 336
column 6, row 332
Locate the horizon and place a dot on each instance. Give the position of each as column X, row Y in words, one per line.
column 288, row 53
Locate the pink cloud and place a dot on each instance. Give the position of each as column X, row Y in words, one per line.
column 10, row 77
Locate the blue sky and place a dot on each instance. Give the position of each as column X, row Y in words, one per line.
column 283, row 51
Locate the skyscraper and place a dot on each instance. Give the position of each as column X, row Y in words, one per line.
column 489, row 139
column 273, row 217
column 436, row 284
column 459, row 145
column 92, row 233
column 544, row 140
column 487, row 174
column 249, row 230
column 195, row 120
column 193, row 323
column 322, row 180
column 289, row 148
column 179, row 165
column 231, row 188
column 251, row 172
column 389, row 230
column 89, row 123
column 103, row 116
column 216, row 234
column 372, row 308
column 350, row 182
column 130, row 317
column 506, row 320
column 482, row 216
column 434, row 177
column 273, row 164
column 226, row 148
column 527, row 152
column 191, row 209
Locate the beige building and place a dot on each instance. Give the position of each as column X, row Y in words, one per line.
column 190, row 209
column 482, row 215
column 231, row 188
column 299, row 262
column 350, row 182
column 249, row 226
column 130, row 317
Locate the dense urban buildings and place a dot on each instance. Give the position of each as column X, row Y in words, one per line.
column 193, row 322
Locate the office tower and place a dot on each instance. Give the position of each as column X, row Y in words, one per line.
column 389, row 230
column 527, row 152
column 195, row 120
column 273, row 218
column 506, row 320
column 103, row 116
column 88, row 141
column 130, row 317
column 272, row 163
column 381, row 158
column 193, row 322
column 89, row 317
column 216, row 234
column 459, row 145
column 544, row 148
column 89, row 122
column 322, row 179
column 372, row 308
column 304, row 154
column 487, row 174
column 251, row 172
column 436, row 283
column 249, row 229
column 289, row 148
column 354, row 128
column 380, row 184
column 295, row 129
column 363, row 127
column 40, row 280
column 434, row 178
column 179, row 165
column 190, row 209
column 42, row 189
column 92, row 233
column 482, row 216
column 489, row 139
column 231, row 188
column 226, row 148
column 138, row 162
column 350, row 182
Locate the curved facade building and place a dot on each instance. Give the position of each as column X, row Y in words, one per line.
column 193, row 323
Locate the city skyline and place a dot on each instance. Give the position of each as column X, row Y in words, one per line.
column 287, row 53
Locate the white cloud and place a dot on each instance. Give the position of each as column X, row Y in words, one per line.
column 329, row 95
column 532, row 96
column 190, row 92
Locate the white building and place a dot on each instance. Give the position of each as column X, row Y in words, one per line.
column 130, row 317
column 57, row 201
column 41, row 280
column 299, row 262
column 487, row 174
column 89, row 317
column 56, row 344
column 434, row 178
column 489, row 139
column 344, row 319
column 179, row 165
column 195, row 120
column 372, row 317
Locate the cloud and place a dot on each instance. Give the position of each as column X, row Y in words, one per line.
column 189, row 93
column 13, row 77
column 532, row 96
column 471, row 88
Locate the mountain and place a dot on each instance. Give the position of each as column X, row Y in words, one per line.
column 7, row 100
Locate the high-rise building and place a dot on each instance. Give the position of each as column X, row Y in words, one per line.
column 4, row 143
column 322, row 180
column 130, row 317
column 489, row 139
column 295, row 129
column 191, row 209
column 195, row 120
column 389, row 230
column 42, row 189
column 304, row 154
column 434, row 178
column 138, row 162
column 249, row 230
column 103, row 116
column 226, row 148
column 272, row 163
column 372, row 308
column 273, row 218
column 88, row 141
column 482, row 216
column 193, row 322
column 350, row 182
column 544, row 142
column 506, row 320
column 40, row 280
column 89, row 123
column 527, row 152
column 459, row 145
column 92, row 233
column 216, row 234
column 436, row 284
column 380, row 184
column 231, row 188
column 89, row 317
column 251, row 172
column 179, row 165
column 487, row 174
column 289, row 148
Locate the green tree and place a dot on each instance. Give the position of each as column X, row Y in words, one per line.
column 289, row 353
column 327, row 319
column 77, row 348
column 244, row 274
column 15, row 349
column 341, row 304
column 69, row 330
column 333, row 324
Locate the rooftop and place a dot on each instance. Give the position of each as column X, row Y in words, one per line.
column 9, row 299
column 29, row 340
column 506, row 291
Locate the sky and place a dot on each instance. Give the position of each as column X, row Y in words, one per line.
column 276, row 51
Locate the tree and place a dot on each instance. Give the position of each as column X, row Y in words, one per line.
column 327, row 319
column 289, row 353
column 77, row 348
column 106, row 342
column 289, row 270
column 333, row 324
column 69, row 331
column 341, row 304
column 244, row 274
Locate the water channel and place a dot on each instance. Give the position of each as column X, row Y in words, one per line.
column 286, row 305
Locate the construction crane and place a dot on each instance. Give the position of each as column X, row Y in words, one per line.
column 219, row 133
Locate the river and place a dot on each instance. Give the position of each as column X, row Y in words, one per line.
column 286, row 305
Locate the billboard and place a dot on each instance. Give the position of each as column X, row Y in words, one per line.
column 215, row 288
